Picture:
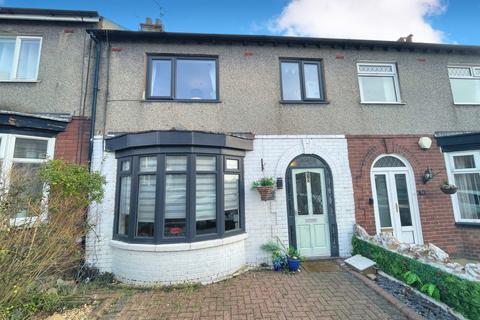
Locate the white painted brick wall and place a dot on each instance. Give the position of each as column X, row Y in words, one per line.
column 267, row 220
column 264, row 220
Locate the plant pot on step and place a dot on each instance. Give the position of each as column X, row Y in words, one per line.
column 265, row 192
column 294, row 264
column 448, row 188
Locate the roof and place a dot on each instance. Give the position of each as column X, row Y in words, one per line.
column 48, row 14
column 37, row 124
column 262, row 40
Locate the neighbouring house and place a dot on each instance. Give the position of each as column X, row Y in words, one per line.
column 182, row 124
column 46, row 57
column 351, row 131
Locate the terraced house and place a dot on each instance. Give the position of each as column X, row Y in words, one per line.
column 352, row 131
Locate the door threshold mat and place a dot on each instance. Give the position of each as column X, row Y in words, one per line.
column 321, row 266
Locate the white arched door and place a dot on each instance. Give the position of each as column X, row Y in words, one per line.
column 395, row 199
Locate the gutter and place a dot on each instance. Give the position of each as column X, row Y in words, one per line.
column 94, row 97
column 48, row 18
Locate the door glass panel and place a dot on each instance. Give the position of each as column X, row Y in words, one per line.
column 382, row 201
column 316, row 187
column 302, row 198
column 402, row 198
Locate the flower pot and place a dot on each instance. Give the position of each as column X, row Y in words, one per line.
column 293, row 264
column 277, row 267
column 265, row 192
column 449, row 188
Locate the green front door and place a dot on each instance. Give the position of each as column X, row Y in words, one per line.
column 310, row 210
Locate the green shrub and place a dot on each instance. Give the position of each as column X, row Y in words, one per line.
column 460, row 294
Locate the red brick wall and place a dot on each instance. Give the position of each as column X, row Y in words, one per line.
column 436, row 213
column 72, row 144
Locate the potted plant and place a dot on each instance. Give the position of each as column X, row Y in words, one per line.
column 448, row 188
column 294, row 259
column 264, row 187
column 283, row 258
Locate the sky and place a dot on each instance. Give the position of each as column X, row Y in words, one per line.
column 441, row 21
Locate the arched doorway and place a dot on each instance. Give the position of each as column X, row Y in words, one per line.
column 312, row 225
column 395, row 199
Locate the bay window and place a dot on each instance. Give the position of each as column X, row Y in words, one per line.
column 464, row 172
column 20, row 158
column 19, row 58
column 175, row 195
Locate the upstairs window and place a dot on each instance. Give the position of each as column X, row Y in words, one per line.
column 301, row 80
column 19, row 58
column 378, row 83
column 182, row 78
column 465, row 83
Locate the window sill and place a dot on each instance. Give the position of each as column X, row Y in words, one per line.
column 468, row 224
column 172, row 247
column 383, row 103
column 304, row 102
column 20, row 81
column 182, row 100
column 466, row 104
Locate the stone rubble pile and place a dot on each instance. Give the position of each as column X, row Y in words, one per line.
column 428, row 253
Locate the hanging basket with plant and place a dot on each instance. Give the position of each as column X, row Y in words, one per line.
column 264, row 187
column 448, row 188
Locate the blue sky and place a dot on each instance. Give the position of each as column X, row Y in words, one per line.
column 451, row 21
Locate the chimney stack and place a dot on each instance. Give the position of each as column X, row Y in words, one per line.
column 149, row 26
column 408, row 38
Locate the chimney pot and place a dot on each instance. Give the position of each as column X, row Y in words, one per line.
column 148, row 21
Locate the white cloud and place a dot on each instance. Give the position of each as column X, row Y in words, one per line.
column 361, row 19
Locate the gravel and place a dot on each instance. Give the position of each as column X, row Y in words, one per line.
column 416, row 302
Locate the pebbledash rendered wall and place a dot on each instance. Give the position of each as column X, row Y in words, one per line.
column 178, row 263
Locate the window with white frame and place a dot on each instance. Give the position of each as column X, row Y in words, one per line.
column 19, row 58
column 464, row 172
column 378, row 83
column 20, row 157
column 465, row 84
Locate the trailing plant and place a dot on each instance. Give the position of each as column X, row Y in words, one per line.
column 412, row 279
column 44, row 244
column 264, row 182
column 431, row 290
column 461, row 294
column 281, row 253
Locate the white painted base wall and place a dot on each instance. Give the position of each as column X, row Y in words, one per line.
column 215, row 260
column 266, row 220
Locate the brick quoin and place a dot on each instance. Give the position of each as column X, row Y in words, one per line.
column 436, row 212
column 72, row 144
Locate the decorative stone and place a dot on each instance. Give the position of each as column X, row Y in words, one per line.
column 437, row 254
column 387, row 241
column 361, row 233
column 455, row 267
column 473, row 270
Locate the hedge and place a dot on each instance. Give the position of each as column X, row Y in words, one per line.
column 460, row 294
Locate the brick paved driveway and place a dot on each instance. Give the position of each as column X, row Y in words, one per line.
column 262, row 295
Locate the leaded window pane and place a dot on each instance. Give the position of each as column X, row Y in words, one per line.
column 388, row 162
column 459, row 72
column 368, row 68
